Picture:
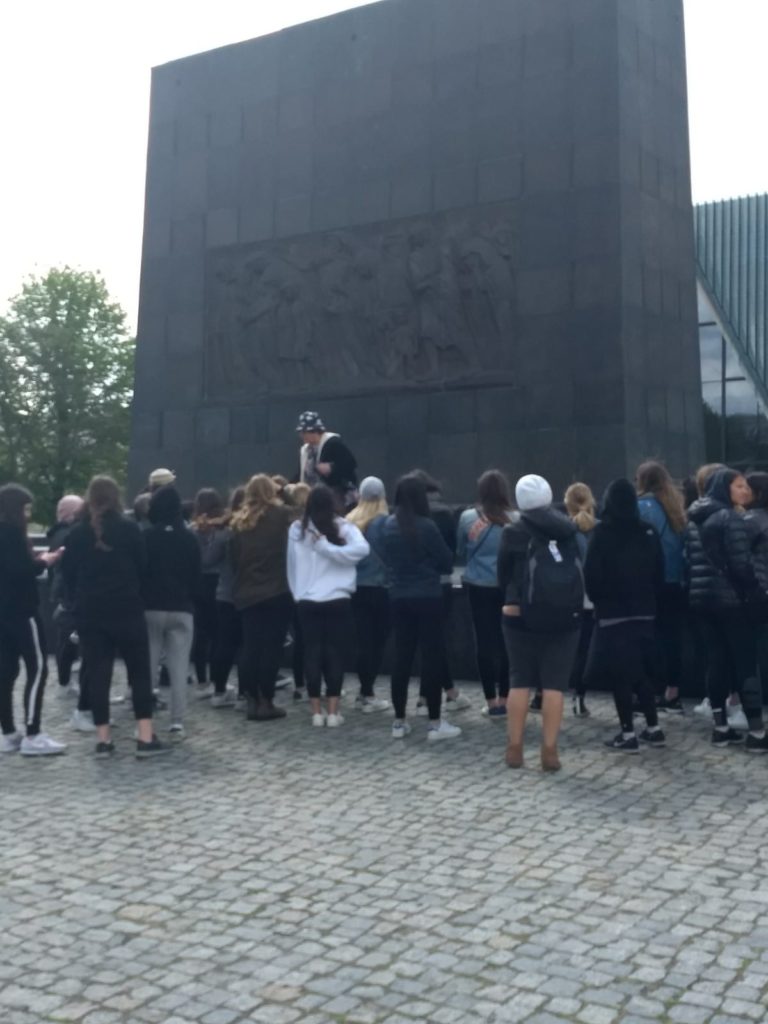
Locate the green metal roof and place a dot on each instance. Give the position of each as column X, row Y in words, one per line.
column 732, row 266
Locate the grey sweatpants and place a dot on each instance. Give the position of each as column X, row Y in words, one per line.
column 170, row 634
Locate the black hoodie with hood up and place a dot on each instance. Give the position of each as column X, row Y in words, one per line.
column 624, row 571
column 719, row 568
column 173, row 556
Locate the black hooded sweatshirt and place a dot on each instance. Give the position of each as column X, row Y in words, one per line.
column 19, row 568
column 173, row 556
column 624, row 571
column 719, row 568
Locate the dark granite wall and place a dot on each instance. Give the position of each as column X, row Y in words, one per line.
column 460, row 229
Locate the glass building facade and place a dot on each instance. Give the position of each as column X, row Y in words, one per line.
column 732, row 271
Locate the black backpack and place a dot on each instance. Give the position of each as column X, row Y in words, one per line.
column 553, row 585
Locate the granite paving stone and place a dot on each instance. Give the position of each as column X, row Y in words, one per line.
column 272, row 873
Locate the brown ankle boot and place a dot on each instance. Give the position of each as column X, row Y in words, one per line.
column 514, row 755
column 550, row 762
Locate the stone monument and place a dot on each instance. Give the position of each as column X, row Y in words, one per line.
column 460, row 229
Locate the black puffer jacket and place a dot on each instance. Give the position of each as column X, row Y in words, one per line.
column 757, row 526
column 719, row 568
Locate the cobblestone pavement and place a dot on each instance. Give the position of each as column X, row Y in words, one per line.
column 274, row 873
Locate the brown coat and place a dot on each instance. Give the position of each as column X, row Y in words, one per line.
column 258, row 558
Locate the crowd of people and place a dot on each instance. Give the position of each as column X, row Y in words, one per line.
column 564, row 597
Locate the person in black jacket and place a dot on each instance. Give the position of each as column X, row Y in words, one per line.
column 103, row 567
column 325, row 459
column 723, row 591
column 540, row 654
column 22, row 637
column 67, row 653
column 171, row 581
column 444, row 519
column 624, row 575
column 416, row 556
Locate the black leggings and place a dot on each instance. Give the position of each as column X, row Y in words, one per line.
column 22, row 640
column 731, row 646
column 444, row 668
column 67, row 652
column 229, row 638
column 492, row 663
column 670, row 618
column 264, row 625
column 623, row 656
column 578, row 675
column 101, row 644
column 418, row 623
column 205, row 626
column 297, row 658
column 327, row 627
column 372, row 625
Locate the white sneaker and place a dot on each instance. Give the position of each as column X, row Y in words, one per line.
column 41, row 746
column 334, row 721
column 318, row 720
column 224, row 700
column 736, row 717
column 457, row 703
column 71, row 691
column 421, row 709
column 444, row 731
column 177, row 729
column 283, row 681
column 370, row 704
column 204, row 690
column 400, row 730
column 82, row 721
column 117, row 698
column 704, row 709
column 11, row 743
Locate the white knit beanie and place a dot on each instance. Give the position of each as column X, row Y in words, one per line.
column 532, row 492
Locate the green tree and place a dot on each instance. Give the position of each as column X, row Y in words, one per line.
column 66, row 381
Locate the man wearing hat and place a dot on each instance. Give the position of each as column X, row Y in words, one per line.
column 325, row 459
column 160, row 478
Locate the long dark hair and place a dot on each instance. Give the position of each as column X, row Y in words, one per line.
column 320, row 512
column 13, row 500
column 493, row 498
column 102, row 497
column 758, row 482
column 410, row 502
column 208, row 509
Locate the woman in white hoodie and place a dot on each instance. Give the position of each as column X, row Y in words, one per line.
column 323, row 552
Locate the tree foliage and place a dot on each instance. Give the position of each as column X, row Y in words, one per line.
column 66, row 381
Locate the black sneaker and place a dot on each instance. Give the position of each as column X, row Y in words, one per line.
column 653, row 737
column 673, row 707
column 724, row 739
column 628, row 746
column 154, row 748
column 536, row 703
column 104, row 750
column 755, row 745
column 580, row 708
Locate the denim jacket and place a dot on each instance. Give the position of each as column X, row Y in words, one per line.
column 652, row 511
column 372, row 572
column 478, row 548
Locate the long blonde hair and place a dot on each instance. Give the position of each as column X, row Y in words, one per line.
column 580, row 505
column 653, row 479
column 260, row 495
column 366, row 511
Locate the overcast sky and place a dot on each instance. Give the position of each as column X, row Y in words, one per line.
column 74, row 82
